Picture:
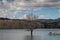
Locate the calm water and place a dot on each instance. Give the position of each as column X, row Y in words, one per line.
column 22, row 34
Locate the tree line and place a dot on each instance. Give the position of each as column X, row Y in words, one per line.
column 27, row 24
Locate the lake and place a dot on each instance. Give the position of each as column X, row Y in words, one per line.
column 23, row 34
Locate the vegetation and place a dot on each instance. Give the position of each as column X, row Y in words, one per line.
column 26, row 24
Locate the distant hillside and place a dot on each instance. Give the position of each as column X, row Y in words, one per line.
column 6, row 23
column 49, row 20
column 46, row 20
column 19, row 24
column 52, row 24
column 4, row 18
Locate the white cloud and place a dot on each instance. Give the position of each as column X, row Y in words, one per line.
column 24, row 16
column 43, row 17
column 28, row 17
column 33, row 17
column 10, row 9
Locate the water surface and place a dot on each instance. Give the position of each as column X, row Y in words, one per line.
column 23, row 34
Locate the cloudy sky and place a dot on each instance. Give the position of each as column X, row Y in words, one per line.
column 17, row 9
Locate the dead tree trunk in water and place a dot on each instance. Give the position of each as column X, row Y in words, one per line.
column 31, row 34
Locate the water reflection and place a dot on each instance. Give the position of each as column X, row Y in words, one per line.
column 28, row 37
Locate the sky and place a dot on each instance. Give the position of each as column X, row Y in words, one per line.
column 19, row 9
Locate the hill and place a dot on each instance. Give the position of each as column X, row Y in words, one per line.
column 6, row 23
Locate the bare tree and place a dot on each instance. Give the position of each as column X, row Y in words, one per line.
column 31, row 17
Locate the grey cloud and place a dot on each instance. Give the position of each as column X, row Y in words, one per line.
column 44, row 0
column 50, row 3
column 53, row 0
